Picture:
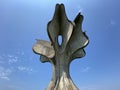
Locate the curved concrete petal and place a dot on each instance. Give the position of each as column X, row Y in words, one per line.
column 44, row 48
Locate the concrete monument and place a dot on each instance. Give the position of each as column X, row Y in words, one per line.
column 60, row 55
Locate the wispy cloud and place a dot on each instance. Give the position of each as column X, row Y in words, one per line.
column 12, row 62
column 25, row 69
column 79, row 8
column 20, row 52
column 12, row 59
column 5, row 77
column 5, row 73
column 86, row 69
column 8, row 59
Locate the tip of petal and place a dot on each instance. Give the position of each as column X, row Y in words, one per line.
column 59, row 12
column 79, row 18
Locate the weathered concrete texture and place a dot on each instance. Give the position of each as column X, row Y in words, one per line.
column 61, row 55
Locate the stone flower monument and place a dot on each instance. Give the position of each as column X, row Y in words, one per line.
column 60, row 55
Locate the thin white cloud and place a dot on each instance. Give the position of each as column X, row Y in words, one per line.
column 5, row 78
column 5, row 73
column 86, row 69
column 8, row 59
column 13, row 59
column 79, row 8
column 10, row 63
column 10, row 56
column 25, row 69
column 20, row 52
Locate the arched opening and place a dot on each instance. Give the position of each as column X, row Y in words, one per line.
column 60, row 40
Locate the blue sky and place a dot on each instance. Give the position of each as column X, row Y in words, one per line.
column 23, row 21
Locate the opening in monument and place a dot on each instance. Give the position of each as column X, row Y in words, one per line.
column 60, row 40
